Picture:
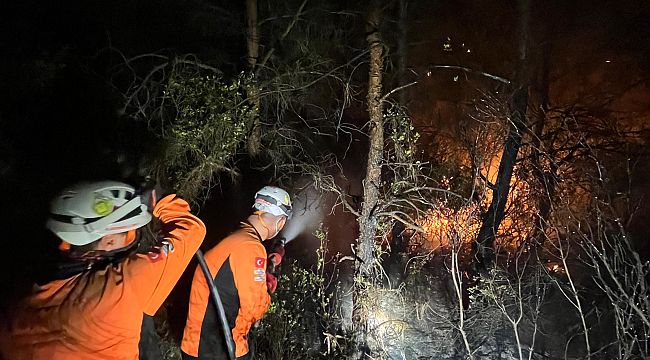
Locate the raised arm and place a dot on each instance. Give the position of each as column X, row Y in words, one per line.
column 153, row 278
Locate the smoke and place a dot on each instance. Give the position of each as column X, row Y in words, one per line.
column 307, row 214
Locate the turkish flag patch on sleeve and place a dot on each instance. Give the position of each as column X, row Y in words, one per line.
column 259, row 263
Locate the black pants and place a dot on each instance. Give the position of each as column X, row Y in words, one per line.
column 149, row 345
column 249, row 356
column 245, row 357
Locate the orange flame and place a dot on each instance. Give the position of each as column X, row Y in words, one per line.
column 445, row 225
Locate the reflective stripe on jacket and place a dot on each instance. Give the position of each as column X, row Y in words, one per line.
column 238, row 265
column 98, row 314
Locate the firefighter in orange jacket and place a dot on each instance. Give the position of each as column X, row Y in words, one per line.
column 93, row 308
column 238, row 265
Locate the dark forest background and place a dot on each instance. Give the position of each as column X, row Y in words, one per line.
column 449, row 232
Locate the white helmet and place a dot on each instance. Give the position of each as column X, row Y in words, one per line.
column 273, row 200
column 86, row 212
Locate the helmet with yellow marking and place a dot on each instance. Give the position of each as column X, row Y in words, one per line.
column 273, row 200
column 85, row 212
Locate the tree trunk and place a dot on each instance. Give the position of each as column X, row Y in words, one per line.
column 371, row 183
column 252, row 39
column 252, row 90
column 545, row 177
column 368, row 219
column 496, row 211
column 484, row 245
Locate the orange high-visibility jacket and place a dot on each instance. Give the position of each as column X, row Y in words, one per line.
column 98, row 314
column 238, row 267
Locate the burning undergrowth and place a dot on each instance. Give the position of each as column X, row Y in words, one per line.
column 453, row 223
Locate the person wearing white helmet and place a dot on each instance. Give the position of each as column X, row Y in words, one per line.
column 238, row 264
column 92, row 307
column 100, row 214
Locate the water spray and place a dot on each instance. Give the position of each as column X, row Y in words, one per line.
column 306, row 215
column 299, row 222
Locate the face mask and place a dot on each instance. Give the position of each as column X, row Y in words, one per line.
column 277, row 229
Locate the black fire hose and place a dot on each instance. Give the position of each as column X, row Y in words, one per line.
column 218, row 304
